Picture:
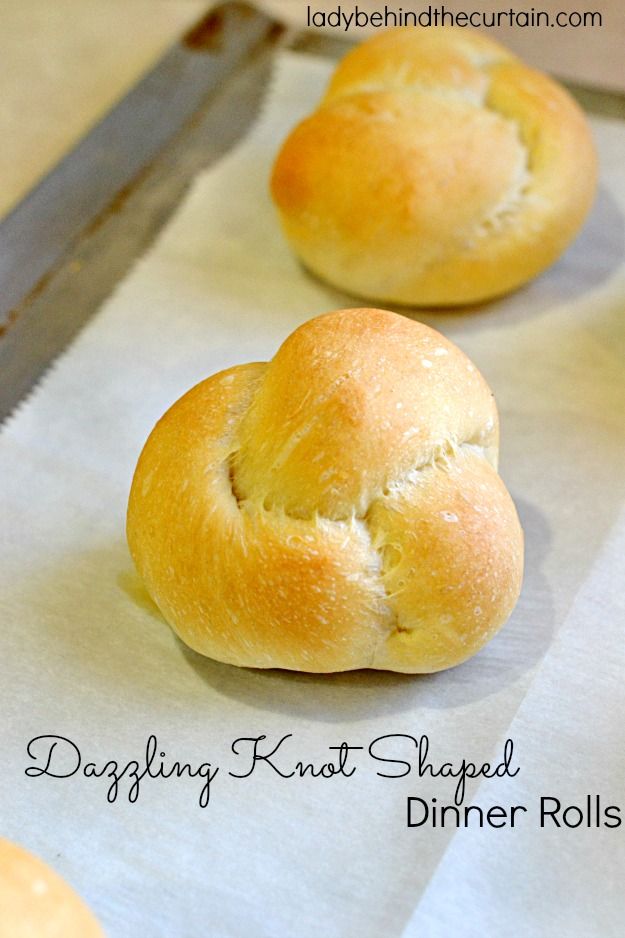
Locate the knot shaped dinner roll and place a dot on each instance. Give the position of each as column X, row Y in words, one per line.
column 36, row 903
column 337, row 508
column 438, row 169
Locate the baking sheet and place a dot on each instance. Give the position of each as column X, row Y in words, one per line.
column 85, row 656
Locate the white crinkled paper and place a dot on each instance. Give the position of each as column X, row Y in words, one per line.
column 85, row 656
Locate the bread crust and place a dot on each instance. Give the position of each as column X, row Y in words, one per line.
column 36, row 903
column 437, row 170
column 271, row 503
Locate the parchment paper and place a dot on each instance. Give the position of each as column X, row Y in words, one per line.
column 85, row 656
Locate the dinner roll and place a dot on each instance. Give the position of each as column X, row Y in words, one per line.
column 36, row 903
column 336, row 508
column 438, row 169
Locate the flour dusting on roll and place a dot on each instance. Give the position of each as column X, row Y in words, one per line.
column 437, row 170
column 336, row 508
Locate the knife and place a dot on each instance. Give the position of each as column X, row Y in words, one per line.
column 74, row 236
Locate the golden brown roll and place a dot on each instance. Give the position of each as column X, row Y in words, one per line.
column 336, row 508
column 36, row 903
column 438, row 169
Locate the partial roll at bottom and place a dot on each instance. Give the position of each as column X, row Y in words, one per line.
column 36, row 903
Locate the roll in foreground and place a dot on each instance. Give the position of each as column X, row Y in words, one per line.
column 336, row 508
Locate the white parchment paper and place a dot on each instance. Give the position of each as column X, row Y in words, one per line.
column 85, row 656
